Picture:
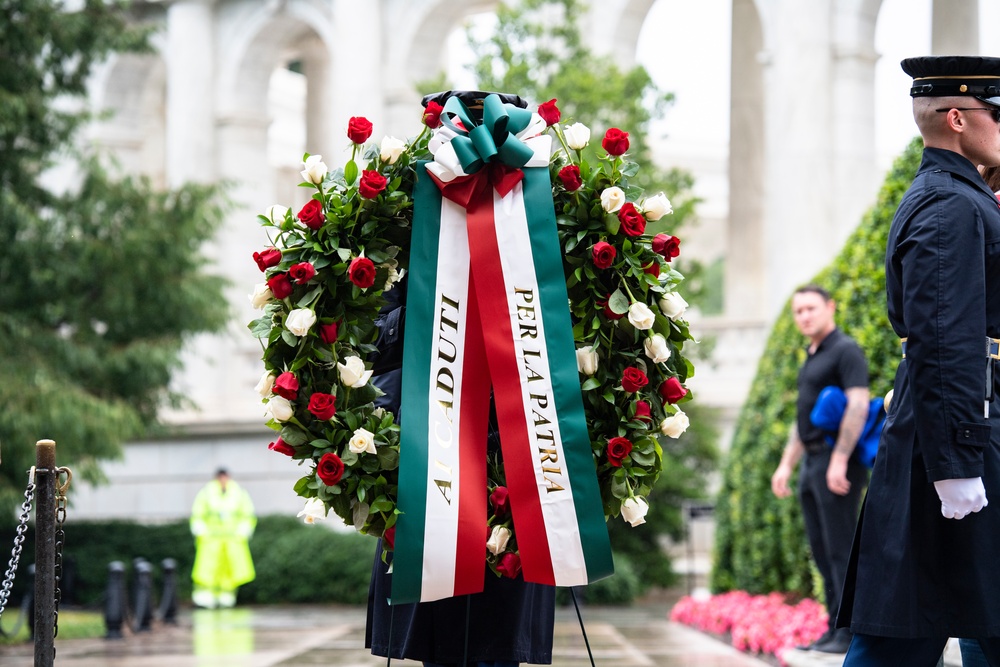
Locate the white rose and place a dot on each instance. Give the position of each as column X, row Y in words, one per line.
column 264, row 385
column 363, row 440
column 279, row 408
column 577, row 136
column 634, row 511
column 675, row 424
column 353, row 373
column 276, row 213
column 673, row 305
column 640, row 315
column 657, row 349
column 498, row 540
column 261, row 295
column 379, row 412
column 586, row 360
column 315, row 169
column 390, row 149
column 313, row 511
column 656, row 207
column 300, row 321
column 612, row 198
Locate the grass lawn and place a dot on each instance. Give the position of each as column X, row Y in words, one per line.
column 73, row 624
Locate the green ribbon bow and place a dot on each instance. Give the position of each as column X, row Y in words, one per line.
column 478, row 144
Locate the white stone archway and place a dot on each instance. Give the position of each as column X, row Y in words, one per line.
column 802, row 161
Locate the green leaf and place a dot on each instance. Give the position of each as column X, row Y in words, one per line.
column 619, row 303
column 590, row 383
column 350, row 172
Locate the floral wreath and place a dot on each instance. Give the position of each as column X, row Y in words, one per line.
column 330, row 263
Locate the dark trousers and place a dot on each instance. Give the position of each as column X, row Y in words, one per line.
column 830, row 521
column 872, row 651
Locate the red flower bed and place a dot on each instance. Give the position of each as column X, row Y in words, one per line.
column 756, row 623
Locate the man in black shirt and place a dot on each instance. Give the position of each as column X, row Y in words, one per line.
column 831, row 479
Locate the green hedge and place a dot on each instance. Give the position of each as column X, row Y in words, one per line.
column 297, row 563
column 278, row 546
column 760, row 540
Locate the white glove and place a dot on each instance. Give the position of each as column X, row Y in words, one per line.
column 961, row 497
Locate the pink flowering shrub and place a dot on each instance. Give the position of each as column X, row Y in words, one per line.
column 756, row 623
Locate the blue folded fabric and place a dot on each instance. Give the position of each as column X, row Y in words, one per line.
column 828, row 412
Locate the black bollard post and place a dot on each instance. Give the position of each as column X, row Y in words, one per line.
column 168, row 603
column 29, row 603
column 114, row 600
column 45, row 553
column 143, row 607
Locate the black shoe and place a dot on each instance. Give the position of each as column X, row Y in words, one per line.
column 838, row 643
column 825, row 637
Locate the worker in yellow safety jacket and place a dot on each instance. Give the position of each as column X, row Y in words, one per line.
column 222, row 521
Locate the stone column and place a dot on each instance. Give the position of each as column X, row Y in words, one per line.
column 800, row 236
column 745, row 253
column 855, row 174
column 955, row 27
column 320, row 100
column 356, row 73
column 190, row 56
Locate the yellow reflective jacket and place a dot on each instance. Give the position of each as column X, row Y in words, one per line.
column 222, row 524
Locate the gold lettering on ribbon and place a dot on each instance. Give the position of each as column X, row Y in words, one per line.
column 444, row 393
column 552, row 472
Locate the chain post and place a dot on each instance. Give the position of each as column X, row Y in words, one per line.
column 45, row 551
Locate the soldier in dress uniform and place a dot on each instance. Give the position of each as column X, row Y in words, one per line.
column 923, row 567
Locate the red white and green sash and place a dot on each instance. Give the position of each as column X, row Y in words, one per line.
column 487, row 305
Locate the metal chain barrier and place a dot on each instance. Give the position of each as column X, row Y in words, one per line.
column 60, row 539
column 15, row 555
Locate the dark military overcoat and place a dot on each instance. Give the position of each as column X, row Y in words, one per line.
column 913, row 572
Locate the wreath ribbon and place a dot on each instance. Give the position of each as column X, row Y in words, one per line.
column 487, row 306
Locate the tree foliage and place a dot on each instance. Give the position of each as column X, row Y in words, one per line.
column 760, row 541
column 101, row 283
column 537, row 52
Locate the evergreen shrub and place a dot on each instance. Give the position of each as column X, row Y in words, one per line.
column 760, row 543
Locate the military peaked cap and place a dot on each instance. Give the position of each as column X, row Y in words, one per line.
column 945, row 76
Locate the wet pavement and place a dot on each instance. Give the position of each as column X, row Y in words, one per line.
column 636, row 636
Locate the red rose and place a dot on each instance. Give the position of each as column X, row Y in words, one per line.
column 608, row 313
column 615, row 141
column 362, row 272
column 618, row 449
column 604, row 255
column 330, row 469
column 642, row 412
column 322, row 405
column 328, row 333
column 671, row 391
column 653, row 269
column 282, row 447
column 359, row 129
column 389, row 537
column 570, row 177
column 549, row 113
column 499, row 501
column 302, row 272
column 633, row 222
column 432, row 114
column 267, row 259
column 633, row 379
column 280, row 285
column 509, row 565
column 666, row 245
column 312, row 215
column 371, row 184
column 287, row 386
